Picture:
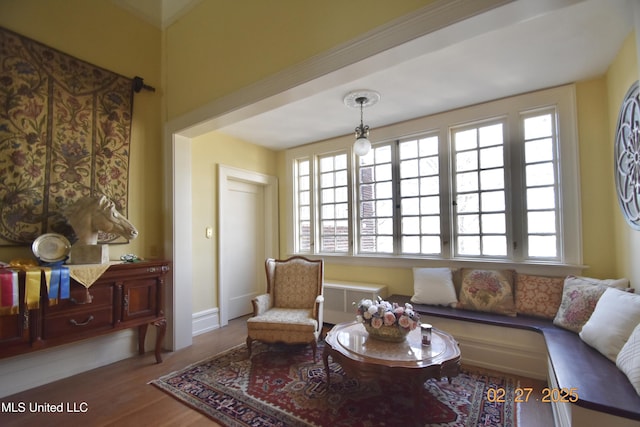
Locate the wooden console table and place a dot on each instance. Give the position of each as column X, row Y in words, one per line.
column 125, row 296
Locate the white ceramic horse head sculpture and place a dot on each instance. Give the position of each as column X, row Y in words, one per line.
column 92, row 214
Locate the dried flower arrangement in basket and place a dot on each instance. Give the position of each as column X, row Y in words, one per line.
column 386, row 321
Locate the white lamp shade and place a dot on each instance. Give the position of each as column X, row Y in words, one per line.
column 362, row 146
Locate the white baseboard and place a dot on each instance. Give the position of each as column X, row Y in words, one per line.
column 37, row 368
column 34, row 369
column 205, row 321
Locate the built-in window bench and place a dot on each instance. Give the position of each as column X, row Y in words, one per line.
column 537, row 348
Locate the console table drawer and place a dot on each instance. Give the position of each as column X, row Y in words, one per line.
column 78, row 322
column 81, row 296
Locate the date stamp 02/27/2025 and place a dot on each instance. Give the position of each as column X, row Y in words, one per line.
column 522, row 395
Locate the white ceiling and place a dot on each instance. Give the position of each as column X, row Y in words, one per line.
column 519, row 47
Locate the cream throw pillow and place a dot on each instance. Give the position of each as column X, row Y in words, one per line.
column 616, row 314
column 433, row 286
column 628, row 360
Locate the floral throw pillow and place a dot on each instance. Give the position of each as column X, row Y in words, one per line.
column 487, row 290
column 538, row 296
column 579, row 299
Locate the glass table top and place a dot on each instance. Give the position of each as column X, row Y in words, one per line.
column 354, row 338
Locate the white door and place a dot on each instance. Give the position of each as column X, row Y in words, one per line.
column 247, row 236
column 243, row 251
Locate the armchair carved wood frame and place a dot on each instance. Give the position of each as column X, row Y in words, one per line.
column 291, row 310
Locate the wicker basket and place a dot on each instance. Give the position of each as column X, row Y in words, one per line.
column 387, row 333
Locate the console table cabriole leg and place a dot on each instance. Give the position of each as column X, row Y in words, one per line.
column 160, row 333
column 142, row 334
column 162, row 329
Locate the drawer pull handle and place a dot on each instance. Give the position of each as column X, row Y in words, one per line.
column 74, row 323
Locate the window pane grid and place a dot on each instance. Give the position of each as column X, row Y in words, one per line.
column 375, row 201
column 334, row 204
column 491, row 189
column 541, row 184
column 303, row 232
column 420, row 231
column 480, row 216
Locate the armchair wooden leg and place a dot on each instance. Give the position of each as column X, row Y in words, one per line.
column 249, row 341
column 314, row 346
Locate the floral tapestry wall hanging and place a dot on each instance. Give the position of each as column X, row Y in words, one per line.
column 65, row 128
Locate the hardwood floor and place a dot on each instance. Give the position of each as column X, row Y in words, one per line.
column 119, row 394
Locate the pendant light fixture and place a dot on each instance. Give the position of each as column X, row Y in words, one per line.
column 361, row 99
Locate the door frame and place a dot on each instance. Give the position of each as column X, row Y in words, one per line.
column 271, row 238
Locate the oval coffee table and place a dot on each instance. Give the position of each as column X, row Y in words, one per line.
column 360, row 356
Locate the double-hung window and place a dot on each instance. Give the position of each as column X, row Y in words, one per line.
column 481, row 183
column 399, row 198
column 333, row 202
column 479, row 179
column 541, row 184
column 376, row 201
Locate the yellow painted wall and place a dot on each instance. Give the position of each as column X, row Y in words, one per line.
column 222, row 46
column 596, row 175
column 208, row 152
column 100, row 33
column 622, row 72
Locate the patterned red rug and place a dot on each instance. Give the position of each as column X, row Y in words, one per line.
column 283, row 386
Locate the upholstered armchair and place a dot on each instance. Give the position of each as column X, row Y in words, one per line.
column 291, row 310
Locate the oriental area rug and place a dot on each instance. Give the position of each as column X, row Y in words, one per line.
column 283, row 386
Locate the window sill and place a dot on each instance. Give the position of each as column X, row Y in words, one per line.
column 536, row 268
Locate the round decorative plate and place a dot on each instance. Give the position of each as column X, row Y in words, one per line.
column 627, row 157
column 51, row 247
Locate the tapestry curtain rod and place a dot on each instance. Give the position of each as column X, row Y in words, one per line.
column 138, row 85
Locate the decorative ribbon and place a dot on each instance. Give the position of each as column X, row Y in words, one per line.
column 22, row 264
column 64, row 283
column 32, row 287
column 54, row 286
column 9, row 292
column 56, row 280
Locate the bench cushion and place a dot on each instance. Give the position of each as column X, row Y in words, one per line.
column 600, row 385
